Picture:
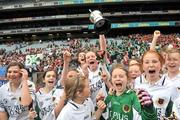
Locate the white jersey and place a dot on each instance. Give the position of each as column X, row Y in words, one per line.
column 10, row 101
column 74, row 111
column 162, row 93
column 46, row 103
column 175, row 82
column 96, row 84
column 176, row 108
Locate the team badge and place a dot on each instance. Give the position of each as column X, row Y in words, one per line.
column 126, row 108
column 160, row 101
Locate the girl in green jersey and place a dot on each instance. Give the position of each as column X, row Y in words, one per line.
column 123, row 103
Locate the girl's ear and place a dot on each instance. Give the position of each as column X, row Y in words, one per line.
column 79, row 94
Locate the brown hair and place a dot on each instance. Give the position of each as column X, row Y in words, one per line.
column 44, row 74
column 174, row 50
column 161, row 59
column 20, row 65
column 74, row 84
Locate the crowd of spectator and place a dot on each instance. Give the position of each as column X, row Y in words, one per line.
column 131, row 46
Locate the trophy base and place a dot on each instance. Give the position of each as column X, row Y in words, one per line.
column 102, row 26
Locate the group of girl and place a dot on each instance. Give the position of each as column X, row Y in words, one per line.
column 91, row 92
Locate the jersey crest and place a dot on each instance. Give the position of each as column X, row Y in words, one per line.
column 126, row 108
column 160, row 101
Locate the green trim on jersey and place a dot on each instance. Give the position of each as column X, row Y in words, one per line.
column 169, row 109
column 121, row 107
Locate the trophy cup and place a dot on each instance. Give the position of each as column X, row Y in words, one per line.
column 101, row 25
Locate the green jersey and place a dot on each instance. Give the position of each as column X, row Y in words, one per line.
column 121, row 107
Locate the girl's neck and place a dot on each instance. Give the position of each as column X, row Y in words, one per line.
column 119, row 93
column 173, row 74
column 14, row 86
column 152, row 80
column 47, row 89
column 78, row 101
column 81, row 65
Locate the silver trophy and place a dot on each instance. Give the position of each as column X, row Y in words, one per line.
column 101, row 25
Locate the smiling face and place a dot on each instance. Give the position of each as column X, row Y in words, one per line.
column 119, row 80
column 173, row 62
column 151, row 65
column 50, row 78
column 13, row 74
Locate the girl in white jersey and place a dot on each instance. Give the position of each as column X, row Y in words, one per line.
column 173, row 65
column 17, row 95
column 79, row 106
column 158, row 87
column 50, row 100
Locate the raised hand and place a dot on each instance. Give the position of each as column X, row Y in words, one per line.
column 157, row 33
column 85, row 69
column 100, row 96
column 32, row 114
column 111, row 91
column 24, row 74
column 101, row 104
column 144, row 97
column 67, row 56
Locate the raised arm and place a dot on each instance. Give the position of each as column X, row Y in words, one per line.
column 154, row 41
column 66, row 61
column 103, row 45
column 26, row 98
column 60, row 105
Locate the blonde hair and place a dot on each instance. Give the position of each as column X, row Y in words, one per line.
column 174, row 50
column 74, row 84
column 120, row 66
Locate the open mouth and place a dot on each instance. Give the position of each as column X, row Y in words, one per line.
column 92, row 62
column 134, row 77
column 152, row 71
column 51, row 82
column 82, row 59
column 119, row 84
